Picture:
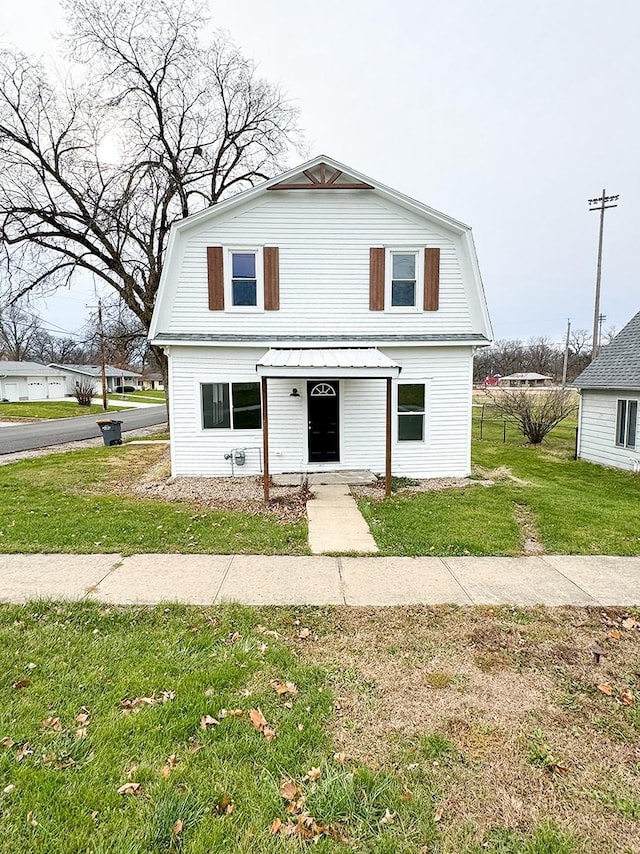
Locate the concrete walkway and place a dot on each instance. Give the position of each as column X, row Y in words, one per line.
column 335, row 523
column 147, row 579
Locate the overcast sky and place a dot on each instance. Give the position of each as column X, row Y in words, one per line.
column 506, row 114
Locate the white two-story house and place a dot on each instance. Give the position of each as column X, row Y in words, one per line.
column 320, row 321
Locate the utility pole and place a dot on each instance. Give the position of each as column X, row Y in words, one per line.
column 601, row 205
column 103, row 370
column 601, row 320
column 566, row 355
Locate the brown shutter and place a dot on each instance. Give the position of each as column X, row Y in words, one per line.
column 431, row 279
column 215, row 276
column 376, row 279
column 271, row 259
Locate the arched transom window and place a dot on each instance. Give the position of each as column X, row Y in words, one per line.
column 323, row 390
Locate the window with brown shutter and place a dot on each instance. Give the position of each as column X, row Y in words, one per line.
column 431, row 279
column 271, row 263
column 215, row 277
column 376, row 279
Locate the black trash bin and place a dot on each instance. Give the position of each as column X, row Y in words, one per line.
column 111, row 431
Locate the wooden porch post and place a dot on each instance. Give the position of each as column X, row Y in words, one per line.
column 265, row 440
column 387, row 473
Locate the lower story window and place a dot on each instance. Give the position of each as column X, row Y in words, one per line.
column 231, row 405
column 411, row 397
column 626, row 423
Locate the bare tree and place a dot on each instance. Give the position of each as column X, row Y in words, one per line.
column 189, row 124
column 536, row 412
column 19, row 330
column 84, row 391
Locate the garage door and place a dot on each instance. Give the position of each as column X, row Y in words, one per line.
column 56, row 388
column 11, row 391
column 37, row 390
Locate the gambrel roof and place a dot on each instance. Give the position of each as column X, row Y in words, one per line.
column 329, row 177
column 618, row 365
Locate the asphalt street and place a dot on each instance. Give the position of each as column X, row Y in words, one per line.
column 26, row 437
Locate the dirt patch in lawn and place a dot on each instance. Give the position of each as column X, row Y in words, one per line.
column 513, row 696
column 409, row 486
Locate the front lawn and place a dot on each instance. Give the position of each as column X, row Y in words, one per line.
column 46, row 409
column 571, row 507
column 226, row 729
column 72, row 502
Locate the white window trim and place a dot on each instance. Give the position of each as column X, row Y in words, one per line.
column 418, row 251
column 207, row 431
column 426, row 382
column 228, row 289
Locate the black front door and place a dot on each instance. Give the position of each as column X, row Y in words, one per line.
column 324, row 436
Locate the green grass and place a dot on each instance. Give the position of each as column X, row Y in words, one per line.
column 51, row 409
column 65, row 503
column 86, row 659
column 147, row 396
column 577, row 507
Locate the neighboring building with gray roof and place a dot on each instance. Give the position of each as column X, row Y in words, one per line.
column 30, row 381
column 609, row 431
column 116, row 377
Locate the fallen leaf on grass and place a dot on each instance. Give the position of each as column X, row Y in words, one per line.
column 81, row 733
column 7, row 742
column 438, row 814
column 284, row 688
column 8, row 789
column 388, row 817
column 289, row 790
column 23, row 750
column 615, row 634
column 31, row 820
column 224, row 806
column 178, row 827
column 195, row 747
column 52, row 723
column 340, row 758
column 627, row 698
column 231, row 713
column 313, row 774
column 168, row 766
column 606, row 689
column 630, row 623
column 257, row 719
column 21, row 683
column 137, row 703
column 207, row 721
column 275, row 827
column 304, row 634
column 82, row 718
column 261, row 724
column 561, row 770
column 129, row 789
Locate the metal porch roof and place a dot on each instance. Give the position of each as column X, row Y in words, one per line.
column 327, row 361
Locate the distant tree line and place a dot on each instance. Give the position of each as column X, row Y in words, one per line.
column 537, row 355
column 24, row 337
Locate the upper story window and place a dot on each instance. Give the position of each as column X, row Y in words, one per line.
column 626, row 423
column 403, row 279
column 243, row 279
column 403, row 285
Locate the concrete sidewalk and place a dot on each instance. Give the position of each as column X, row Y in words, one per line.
column 147, row 579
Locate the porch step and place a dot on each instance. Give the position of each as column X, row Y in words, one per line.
column 335, row 523
column 349, row 478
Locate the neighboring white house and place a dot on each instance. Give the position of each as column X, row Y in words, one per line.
column 326, row 320
column 30, row 381
column 524, row 379
column 116, row 377
column 608, row 427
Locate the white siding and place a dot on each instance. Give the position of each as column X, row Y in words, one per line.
column 445, row 451
column 324, row 242
column 598, row 414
